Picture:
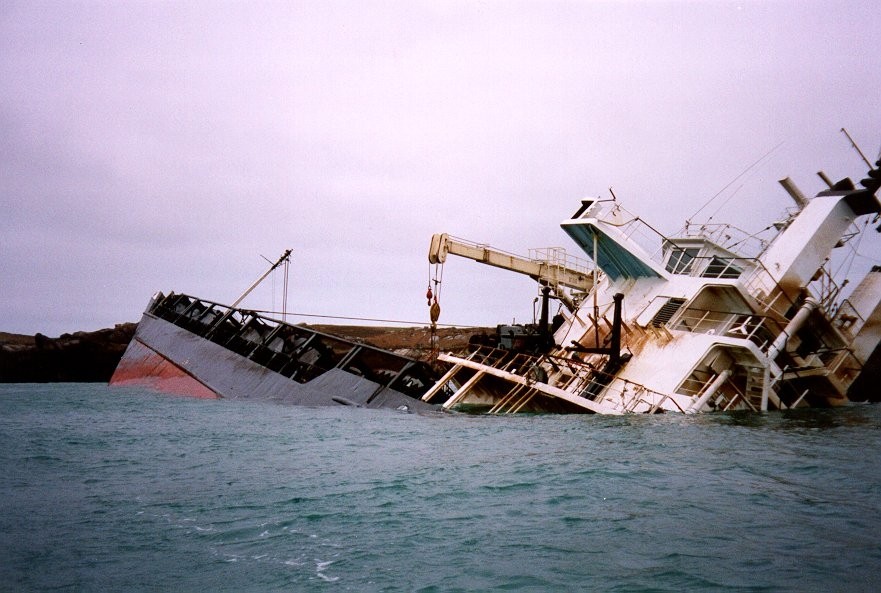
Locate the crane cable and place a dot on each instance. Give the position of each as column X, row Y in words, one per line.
column 432, row 296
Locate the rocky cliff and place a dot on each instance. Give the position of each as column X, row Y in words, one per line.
column 80, row 356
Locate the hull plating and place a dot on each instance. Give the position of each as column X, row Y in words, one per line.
column 171, row 359
column 142, row 367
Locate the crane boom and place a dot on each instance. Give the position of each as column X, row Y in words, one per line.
column 549, row 272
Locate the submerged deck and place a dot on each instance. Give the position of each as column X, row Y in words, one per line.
column 498, row 381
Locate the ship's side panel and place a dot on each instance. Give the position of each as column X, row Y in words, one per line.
column 860, row 315
column 141, row 366
column 229, row 375
column 798, row 252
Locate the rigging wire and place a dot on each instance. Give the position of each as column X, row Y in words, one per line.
column 724, row 202
column 741, row 174
column 868, row 257
column 352, row 318
column 286, row 270
column 763, row 242
column 851, row 256
column 284, row 296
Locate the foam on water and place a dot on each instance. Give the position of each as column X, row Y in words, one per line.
column 109, row 489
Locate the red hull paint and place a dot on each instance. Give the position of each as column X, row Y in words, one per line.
column 143, row 367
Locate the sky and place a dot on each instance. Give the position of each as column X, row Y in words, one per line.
column 176, row 146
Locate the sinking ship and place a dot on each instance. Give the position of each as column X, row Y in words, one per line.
column 715, row 319
column 189, row 346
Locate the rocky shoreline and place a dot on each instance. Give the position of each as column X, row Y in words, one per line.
column 91, row 357
column 83, row 357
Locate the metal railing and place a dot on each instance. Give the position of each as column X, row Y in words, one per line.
column 551, row 256
column 758, row 329
column 559, row 258
column 729, row 237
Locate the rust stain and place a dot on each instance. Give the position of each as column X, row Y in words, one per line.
column 142, row 367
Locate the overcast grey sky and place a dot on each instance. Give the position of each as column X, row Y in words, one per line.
column 150, row 146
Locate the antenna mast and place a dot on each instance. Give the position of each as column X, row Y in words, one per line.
column 857, row 148
column 285, row 257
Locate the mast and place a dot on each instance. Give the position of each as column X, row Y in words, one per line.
column 857, row 148
column 285, row 257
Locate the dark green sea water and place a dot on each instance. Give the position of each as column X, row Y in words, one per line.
column 125, row 490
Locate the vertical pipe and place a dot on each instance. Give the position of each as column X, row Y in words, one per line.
column 544, row 330
column 615, row 346
column 796, row 194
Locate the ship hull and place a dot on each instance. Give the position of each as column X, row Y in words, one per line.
column 166, row 357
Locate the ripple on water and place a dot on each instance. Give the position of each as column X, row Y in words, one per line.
column 160, row 493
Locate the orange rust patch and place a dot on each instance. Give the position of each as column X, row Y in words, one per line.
column 143, row 367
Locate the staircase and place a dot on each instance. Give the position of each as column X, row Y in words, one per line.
column 755, row 379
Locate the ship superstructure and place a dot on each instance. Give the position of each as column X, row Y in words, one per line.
column 709, row 319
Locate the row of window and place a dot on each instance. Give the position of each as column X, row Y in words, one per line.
column 682, row 261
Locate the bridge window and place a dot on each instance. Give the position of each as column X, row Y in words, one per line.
column 680, row 260
column 721, row 267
